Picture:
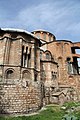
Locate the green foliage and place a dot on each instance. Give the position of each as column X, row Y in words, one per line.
column 69, row 117
column 77, row 114
column 71, row 104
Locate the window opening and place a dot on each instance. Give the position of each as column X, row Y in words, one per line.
column 47, row 56
column 76, row 60
column 40, row 55
column 53, row 75
column 10, row 74
column 73, row 50
column 35, row 76
column 44, row 35
column 73, row 67
column 24, row 57
column 29, row 58
column 38, row 35
column 49, row 38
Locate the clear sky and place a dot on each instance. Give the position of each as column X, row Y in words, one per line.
column 60, row 17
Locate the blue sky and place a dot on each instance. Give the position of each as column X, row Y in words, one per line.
column 60, row 17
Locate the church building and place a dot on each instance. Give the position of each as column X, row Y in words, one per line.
column 36, row 70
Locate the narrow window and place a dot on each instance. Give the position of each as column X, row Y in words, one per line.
column 53, row 75
column 40, row 55
column 29, row 59
column 49, row 38
column 69, row 68
column 47, row 56
column 35, row 76
column 44, row 36
column 25, row 59
column 22, row 56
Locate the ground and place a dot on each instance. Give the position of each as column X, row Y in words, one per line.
column 52, row 112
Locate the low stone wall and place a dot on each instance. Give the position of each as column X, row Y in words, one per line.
column 16, row 98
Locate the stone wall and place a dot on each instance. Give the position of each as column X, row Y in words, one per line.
column 18, row 98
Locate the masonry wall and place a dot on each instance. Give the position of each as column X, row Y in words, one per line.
column 20, row 88
column 74, row 82
column 50, row 74
column 17, row 98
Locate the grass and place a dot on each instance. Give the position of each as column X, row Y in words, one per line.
column 53, row 112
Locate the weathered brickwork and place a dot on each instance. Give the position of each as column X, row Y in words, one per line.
column 35, row 70
column 59, row 63
column 16, row 98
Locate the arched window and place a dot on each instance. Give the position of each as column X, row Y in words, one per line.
column 9, row 74
column 26, row 75
column 47, row 56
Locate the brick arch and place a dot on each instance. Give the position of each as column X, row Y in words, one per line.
column 68, row 59
column 47, row 51
column 9, row 73
column 26, row 75
column 66, row 43
column 59, row 58
column 48, row 54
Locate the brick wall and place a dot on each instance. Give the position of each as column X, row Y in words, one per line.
column 17, row 98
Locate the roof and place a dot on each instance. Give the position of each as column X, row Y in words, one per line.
column 38, row 30
column 64, row 41
column 61, row 92
column 19, row 30
column 57, row 94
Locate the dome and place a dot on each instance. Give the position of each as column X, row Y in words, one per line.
column 44, row 35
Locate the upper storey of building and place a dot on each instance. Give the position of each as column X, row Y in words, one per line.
column 44, row 35
column 17, row 32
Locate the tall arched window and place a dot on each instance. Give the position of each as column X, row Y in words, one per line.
column 9, row 74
